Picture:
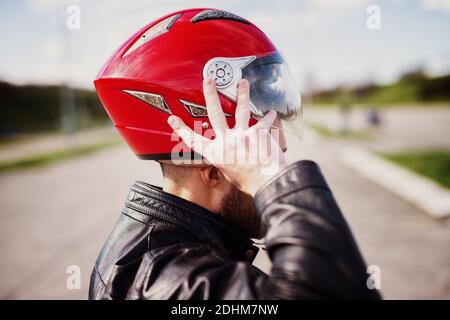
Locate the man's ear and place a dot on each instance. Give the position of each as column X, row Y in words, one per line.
column 211, row 176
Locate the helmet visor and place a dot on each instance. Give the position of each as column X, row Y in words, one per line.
column 273, row 88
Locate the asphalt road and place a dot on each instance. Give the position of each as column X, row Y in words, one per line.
column 56, row 216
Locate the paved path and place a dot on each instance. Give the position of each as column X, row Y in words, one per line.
column 60, row 215
column 418, row 127
column 411, row 248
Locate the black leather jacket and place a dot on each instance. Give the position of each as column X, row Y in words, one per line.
column 164, row 247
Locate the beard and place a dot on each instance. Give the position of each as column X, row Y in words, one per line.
column 238, row 209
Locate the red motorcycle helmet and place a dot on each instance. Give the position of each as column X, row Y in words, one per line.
column 159, row 72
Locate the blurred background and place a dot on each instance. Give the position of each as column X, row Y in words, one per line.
column 375, row 83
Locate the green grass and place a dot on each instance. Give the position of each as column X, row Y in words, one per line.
column 54, row 156
column 395, row 93
column 412, row 87
column 434, row 164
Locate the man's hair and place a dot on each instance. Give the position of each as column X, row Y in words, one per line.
column 173, row 172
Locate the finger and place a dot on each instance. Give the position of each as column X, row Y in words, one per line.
column 242, row 114
column 215, row 112
column 267, row 121
column 252, row 138
column 192, row 139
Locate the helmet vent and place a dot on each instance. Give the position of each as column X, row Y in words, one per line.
column 197, row 111
column 154, row 100
column 155, row 31
column 211, row 14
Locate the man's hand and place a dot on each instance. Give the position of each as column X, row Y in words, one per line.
column 247, row 157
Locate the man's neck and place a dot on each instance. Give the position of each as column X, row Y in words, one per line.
column 198, row 197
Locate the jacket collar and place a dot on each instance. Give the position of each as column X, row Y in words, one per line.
column 198, row 221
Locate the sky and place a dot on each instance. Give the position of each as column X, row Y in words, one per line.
column 326, row 42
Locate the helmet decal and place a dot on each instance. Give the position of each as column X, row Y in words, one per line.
column 154, row 100
column 197, row 111
column 194, row 109
column 155, row 31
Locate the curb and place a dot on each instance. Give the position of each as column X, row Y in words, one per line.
column 414, row 188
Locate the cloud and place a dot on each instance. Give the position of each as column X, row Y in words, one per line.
column 333, row 4
column 438, row 64
column 323, row 38
column 443, row 5
column 46, row 5
column 52, row 48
